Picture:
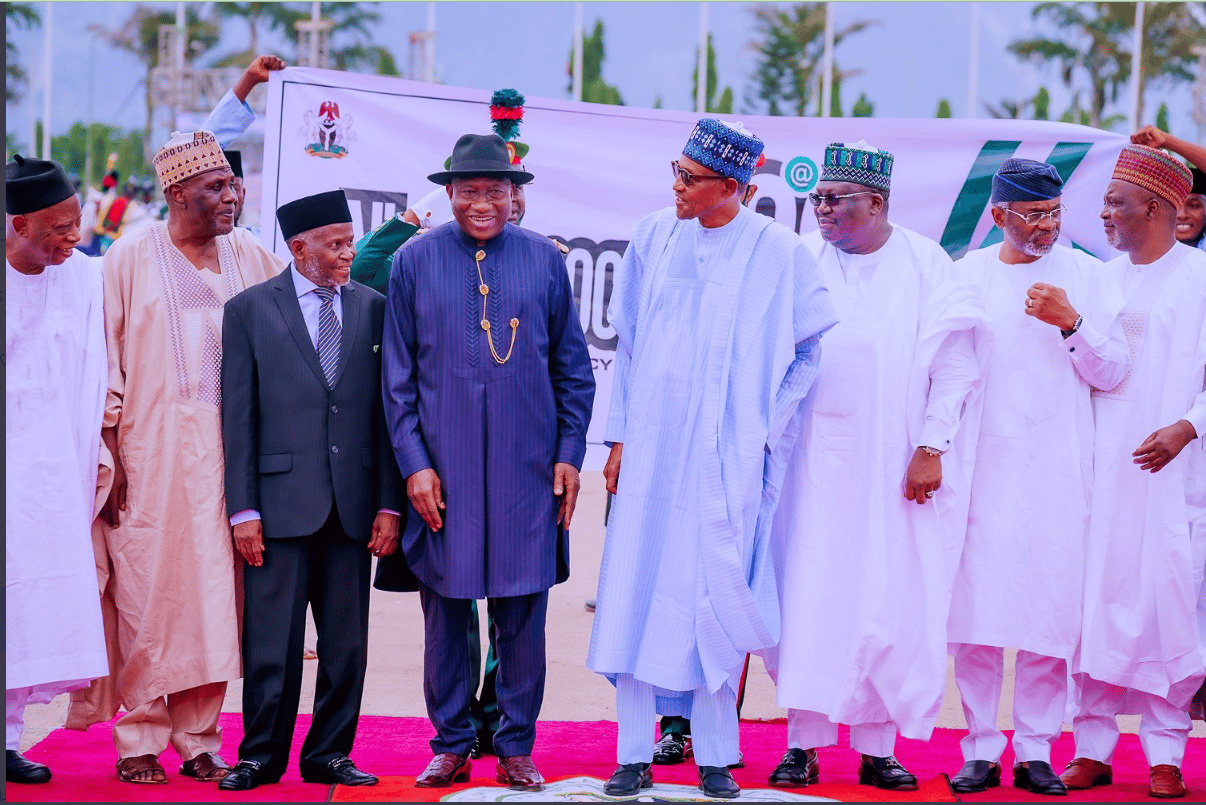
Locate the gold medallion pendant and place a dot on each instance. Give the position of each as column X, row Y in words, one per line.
column 484, row 290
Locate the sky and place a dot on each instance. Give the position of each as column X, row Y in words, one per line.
column 915, row 55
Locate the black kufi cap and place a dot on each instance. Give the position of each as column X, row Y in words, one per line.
column 311, row 212
column 235, row 158
column 481, row 155
column 1199, row 182
column 1026, row 180
column 34, row 184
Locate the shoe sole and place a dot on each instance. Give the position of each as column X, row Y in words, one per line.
column 969, row 789
column 628, row 792
column 517, row 787
column 1098, row 781
column 812, row 780
column 459, row 777
column 902, row 787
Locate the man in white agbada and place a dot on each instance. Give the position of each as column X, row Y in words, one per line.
column 873, row 512
column 1140, row 650
column 56, row 370
column 718, row 311
column 1053, row 313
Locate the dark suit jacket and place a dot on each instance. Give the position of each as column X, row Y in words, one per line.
column 293, row 445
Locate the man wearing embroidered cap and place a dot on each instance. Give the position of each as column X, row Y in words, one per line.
column 1146, row 551
column 55, row 372
column 875, row 498
column 488, row 389
column 719, row 312
column 1055, row 314
column 168, row 542
column 310, row 484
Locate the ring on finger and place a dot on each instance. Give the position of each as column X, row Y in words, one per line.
column 929, row 494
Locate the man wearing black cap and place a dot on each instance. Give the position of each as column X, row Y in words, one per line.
column 312, row 489
column 55, row 372
column 488, row 390
column 1053, row 316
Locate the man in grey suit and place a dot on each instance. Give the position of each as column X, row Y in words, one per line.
column 312, row 489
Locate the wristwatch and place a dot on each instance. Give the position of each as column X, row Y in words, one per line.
column 1079, row 321
column 933, row 452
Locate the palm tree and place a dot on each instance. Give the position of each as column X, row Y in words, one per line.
column 354, row 21
column 790, row 50
column 17, row 16
column 254, row 15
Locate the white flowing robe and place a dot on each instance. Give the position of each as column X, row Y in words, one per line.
column 1140, row 618
column 717, row 347
column 1020, row 582
column 56, row 371
column 867, row 574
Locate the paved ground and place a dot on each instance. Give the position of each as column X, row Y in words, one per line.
column 573, row 693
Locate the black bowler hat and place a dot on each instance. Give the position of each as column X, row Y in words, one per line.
column 311, row 212
column 34, row 184
column 481, row 155
column 235, row 158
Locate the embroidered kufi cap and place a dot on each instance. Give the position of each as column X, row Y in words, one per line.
column 311, row 212
column 235, row 158
column 1199, row 181
column 1155, row 171
column 858, row 163
column 729, row 149
column 186, row 155
column 34, row 184
column 1026, row 180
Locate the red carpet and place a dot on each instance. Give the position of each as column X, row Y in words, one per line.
column 396, row 750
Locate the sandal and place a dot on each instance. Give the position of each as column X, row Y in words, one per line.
column 129, row 767
column 206, row 767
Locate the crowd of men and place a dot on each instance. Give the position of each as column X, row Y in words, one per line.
column 846, row 453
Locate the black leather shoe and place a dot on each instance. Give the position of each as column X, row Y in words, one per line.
column 672, row 748
column 247, row 774
column 628, row 779
column 1039, row 778
column 977, row 775
column 718, row 782
column 885, row 773
column 341, row 771
column 798, row 768
column 17, row 769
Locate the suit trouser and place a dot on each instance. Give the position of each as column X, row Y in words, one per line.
column 1163, row 729
column 808, row 730
column 448, row 673
column 330, row 572
column 713, row 718
column 187, row 719
column 1040, row 694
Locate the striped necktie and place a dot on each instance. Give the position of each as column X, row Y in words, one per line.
column 328, row 334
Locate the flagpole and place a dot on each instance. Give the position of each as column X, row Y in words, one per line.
column 827, row 63
column 47, row 62
column 973, row 63
column 701, row 84
column 578, row 34
column 1137, row 67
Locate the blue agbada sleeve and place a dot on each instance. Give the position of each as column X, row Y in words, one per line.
column 399, row 371
column 229, row 119
column 569, row 370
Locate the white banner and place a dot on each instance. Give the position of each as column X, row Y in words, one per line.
column 599, row 169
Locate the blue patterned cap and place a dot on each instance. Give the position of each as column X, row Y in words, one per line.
column 1026, row 180
column 859, row 163
column 727, row 148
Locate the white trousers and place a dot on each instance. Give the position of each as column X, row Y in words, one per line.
column 808, row 730
column 1040, row 695
column 1163, row 729
column 15, row 700
column 714, row 733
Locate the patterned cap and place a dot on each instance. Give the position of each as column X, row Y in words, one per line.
column 1026, row 180
column 1155, row 171
column 859, row 163
column 727, row 148
column 186, row 155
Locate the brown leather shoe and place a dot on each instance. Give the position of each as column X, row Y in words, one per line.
column 1166, row 782
column 519, row 774
column 444, row 770
column 1085, row 772
column 206, row 767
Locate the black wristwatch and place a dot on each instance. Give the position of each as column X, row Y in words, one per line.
column 1079, row 321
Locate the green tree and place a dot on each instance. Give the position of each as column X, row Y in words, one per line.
column 1042, row 104
column 254, row 15
column 944, row 108
column 790, row 47
column 594, row 88
column 351, row 46
column 1162, row 117
column 17, row 16
column 71, row 150
column 722, row 104
column 863, row 107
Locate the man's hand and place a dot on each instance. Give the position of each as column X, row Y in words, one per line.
column 1150, row 136
column 257, row 73
column 116, row 502
column 1050, row 305
column 611, row 470
column 924, row 476
column 566, row 486
column 1164, row 445
column 385, row 534
column 249, row 540
column 427, row 496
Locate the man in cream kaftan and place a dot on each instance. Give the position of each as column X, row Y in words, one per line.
column 718, row 311
column 1020, row 580
column 172, row 565
column 1140, row 650
column 55, row 370
column 866, row 570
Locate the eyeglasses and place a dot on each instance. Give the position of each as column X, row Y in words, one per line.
column 678, row 172
column 1035, row 218
column 832, row 201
